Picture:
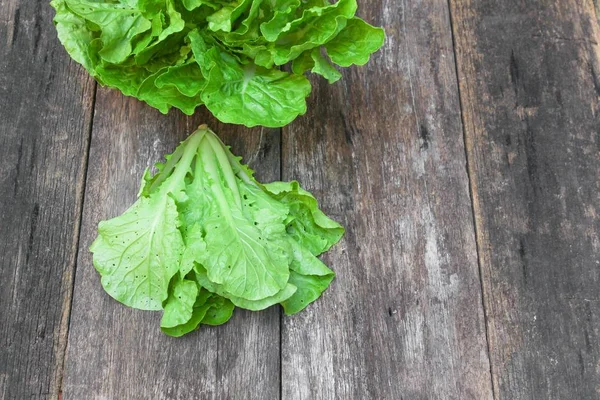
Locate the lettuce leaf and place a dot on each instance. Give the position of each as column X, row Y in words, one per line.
column 205, row 236
column 225, row 55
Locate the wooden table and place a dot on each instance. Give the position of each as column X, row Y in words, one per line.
column 464, row 161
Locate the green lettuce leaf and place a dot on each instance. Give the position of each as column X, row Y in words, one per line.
column 119, row 24
column 313, row 60
column 225, row 55
column 226, row 16
column 179, row 306
column 74, row 34
column 249, row 93
column 309, row 275
column 205, row 236
column 253, row 305
column 355, row 44
column 207, row 309
column 279, row 22
column 219, row 312
column 138, row 253
column 301, row 34
column 306, row 223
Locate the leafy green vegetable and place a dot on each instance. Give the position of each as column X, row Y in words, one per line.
column 223, row 54
column 204, row 236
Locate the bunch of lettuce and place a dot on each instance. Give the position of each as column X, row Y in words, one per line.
column 223, row 54
column 205, row 236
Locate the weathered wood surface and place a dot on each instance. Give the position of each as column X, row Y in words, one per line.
column 383, row 151
column 45, row 111
column 115, row 352
column 530, row 88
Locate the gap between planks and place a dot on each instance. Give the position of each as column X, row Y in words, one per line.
column 65, row 319
column 473, row 197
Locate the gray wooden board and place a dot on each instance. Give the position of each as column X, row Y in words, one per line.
column 115, row 352
column 530, row 88
column 383, row 152
column 45, row 112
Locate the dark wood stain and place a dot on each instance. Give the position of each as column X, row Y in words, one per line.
column 16, row 24
column 514, row 73
column 595, row 79
column 424, row 133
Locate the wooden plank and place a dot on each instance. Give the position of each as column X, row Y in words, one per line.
column 248, row 364
column 383, row 152
column 115, row 352
column 530, row 92
column 45, row 109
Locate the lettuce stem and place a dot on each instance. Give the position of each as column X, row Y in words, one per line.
column 207, row 153
column 223, row 161
column 236, row 165
column 184, row 163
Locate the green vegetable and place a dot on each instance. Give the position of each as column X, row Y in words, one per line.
column 223, row 54
column 204, row 236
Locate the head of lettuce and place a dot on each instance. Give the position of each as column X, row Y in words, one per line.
column 225, row 55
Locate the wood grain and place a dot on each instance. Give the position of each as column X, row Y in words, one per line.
column 383, row 152
column 530, row 91
column 45, row 112
column 115, row 352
